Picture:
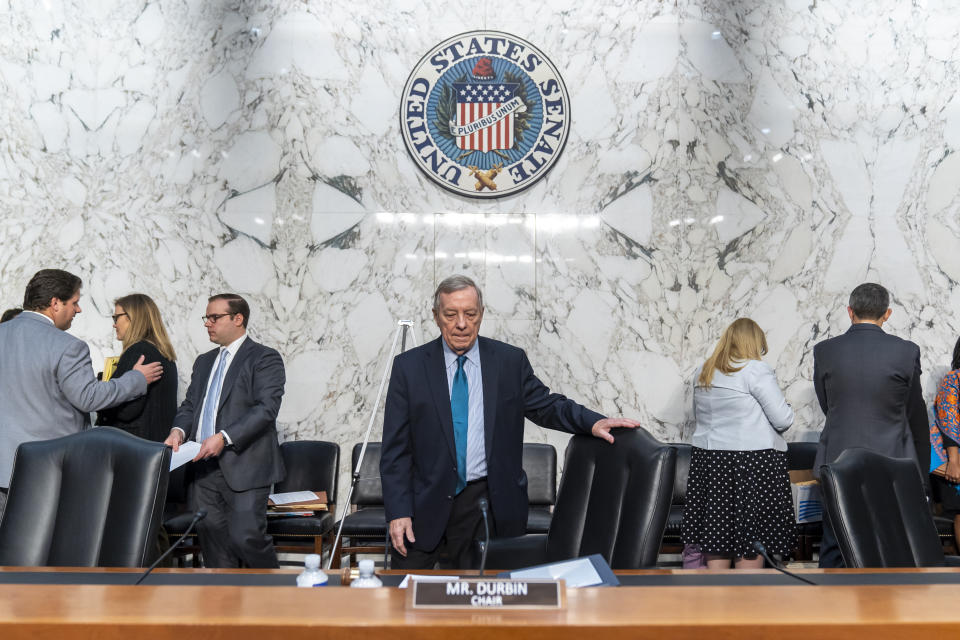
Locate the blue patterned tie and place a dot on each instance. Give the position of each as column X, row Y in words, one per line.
column 460, row 408
column 208, row 427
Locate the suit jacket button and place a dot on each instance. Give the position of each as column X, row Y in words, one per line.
column 449, row 497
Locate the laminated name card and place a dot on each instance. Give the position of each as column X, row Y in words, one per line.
column 486, row 593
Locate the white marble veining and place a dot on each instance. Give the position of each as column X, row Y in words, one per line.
column 725, row 159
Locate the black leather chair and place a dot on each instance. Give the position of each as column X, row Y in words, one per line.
column 540, row 465
column 177, row 517
column 613, row 500
column 93, row 498
column 944, row 522
column 365, row 527
column 945, row 530
column 879, row 512
column 671, row 533
column 801, row 455
column 312, row 465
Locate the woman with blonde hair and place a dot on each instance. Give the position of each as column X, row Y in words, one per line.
column 140, row 329
column 739, row 490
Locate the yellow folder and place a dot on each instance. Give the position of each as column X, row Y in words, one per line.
column 110, row 367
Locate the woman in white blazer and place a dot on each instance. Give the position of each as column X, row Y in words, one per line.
column 739, row 490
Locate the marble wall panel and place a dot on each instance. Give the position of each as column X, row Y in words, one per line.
column 725, row 159
column 831, row 137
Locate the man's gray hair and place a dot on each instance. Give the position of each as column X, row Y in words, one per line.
column 455, row 283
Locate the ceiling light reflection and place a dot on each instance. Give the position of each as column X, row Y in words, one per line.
column 560, row 222
column 552, row 222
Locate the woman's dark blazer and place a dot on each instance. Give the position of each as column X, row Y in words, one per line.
column 150, row 415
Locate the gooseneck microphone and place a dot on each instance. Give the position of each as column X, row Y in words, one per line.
column 484, row 505
column 762, row 550
column 197, row 517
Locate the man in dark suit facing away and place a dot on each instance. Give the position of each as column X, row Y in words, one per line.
column 868, row 385
column 453, row 434
column 231, row 410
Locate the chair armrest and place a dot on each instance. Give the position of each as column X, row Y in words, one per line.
column 514, row 553
column 952, row 561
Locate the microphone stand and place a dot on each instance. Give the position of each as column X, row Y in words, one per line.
column 484, row 505
column 762, row 550
column 403, row 327
column 197, row 517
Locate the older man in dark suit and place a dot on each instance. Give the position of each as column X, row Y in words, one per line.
column 868, row 385
column 231, row 410
column 453, row 434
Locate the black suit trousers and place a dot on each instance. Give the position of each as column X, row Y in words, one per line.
column 830, row 556
column 455, row 549
column 234, row 533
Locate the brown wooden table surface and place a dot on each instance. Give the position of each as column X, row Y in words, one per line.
column 106, row 612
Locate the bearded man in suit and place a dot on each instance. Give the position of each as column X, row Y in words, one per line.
column 231, row 410
column 453, row 435
column 47, row 384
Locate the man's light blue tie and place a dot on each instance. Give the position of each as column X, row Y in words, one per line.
column 460, row 408
column 208, row 427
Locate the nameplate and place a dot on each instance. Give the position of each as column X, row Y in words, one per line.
column 493, row 593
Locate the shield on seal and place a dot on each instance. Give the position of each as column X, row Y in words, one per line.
column 484, row 117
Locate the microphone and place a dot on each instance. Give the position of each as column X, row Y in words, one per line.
column 762, row 550
column 197, row 517
column 484, row 505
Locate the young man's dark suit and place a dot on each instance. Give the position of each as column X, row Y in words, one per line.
column 868, row 385
column 244, row 472
column 418, row 465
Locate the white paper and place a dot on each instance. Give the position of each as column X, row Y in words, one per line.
column 577, row 573
column 188, row 451
column 293, row 496
column 423, row 578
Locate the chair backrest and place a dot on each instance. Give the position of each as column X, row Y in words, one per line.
column 540, row 465
column 93, row 498
column 879, row 512
column 800, row 455
column 681, row 473
column 369, row 491
column 613, row 499
column 312, row 465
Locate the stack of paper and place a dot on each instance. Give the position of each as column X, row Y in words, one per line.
column 297, row 501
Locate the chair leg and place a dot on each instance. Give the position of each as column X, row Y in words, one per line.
column 386, row 549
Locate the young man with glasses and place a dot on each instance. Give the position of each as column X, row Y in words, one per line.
column 231, row 410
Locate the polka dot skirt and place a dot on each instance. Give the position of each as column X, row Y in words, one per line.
column 735, row 498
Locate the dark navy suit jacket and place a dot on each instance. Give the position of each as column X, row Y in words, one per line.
column 868, row 385
column 418, row 466
column 249, row 403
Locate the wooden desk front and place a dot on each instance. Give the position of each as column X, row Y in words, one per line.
column 108, row 612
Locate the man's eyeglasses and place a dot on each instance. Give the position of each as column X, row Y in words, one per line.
column 118, row 316
column 213, row 317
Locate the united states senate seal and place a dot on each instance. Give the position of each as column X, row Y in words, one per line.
column 485, row 114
